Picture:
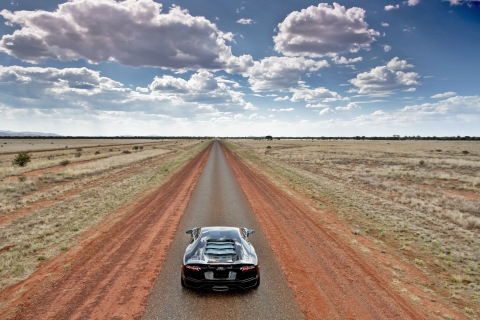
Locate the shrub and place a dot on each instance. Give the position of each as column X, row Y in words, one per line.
column 79, row 149
column 97, row 152
column 439, row 150
column 22, row 159
column 269, row 147
column 135, row 148
column 465, row 152
column 110, row 150
column 64, row 162
column 421, row 162
column 126, row 152
column 22, row 178
column 78, row 154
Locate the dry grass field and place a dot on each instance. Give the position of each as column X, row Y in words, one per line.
column 47, row 205
column 420, row 199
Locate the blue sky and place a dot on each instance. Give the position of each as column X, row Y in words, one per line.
column 240, row 68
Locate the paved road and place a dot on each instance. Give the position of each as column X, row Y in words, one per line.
column 219, row 201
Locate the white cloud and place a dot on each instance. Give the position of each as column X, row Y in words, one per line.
column 459, row 105
column 350, row 106
column 323, row 30
column 81, row 88
column 136, row 33
column 282, row 99
column 387, row 48
column 326, row 111
column 384, row 24
column 315, row 95
column 280, row 73
column 318, row 105
column 443, row 95
column 391, row 7
column 282, row 110
column 245, row 21
column 413, row 2
column 396, row 64
column 343, row 60
column 386, row 78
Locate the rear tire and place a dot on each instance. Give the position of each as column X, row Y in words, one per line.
column 182, row 282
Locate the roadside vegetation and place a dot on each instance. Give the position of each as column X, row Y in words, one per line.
column 419, row 198
column 45, row 214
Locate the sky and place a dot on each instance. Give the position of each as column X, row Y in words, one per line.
column 240, row 68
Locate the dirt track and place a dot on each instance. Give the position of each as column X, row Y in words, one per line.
column 113, row 275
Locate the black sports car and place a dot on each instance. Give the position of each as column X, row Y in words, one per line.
column 220, row 259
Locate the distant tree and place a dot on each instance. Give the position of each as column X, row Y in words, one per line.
column 22, row 159
column 269, row 137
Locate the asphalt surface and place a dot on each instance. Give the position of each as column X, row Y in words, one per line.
column 218, row 200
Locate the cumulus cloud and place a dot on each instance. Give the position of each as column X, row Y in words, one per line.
column 396, row 64
column 131, row 32
column 384, row 24
column 282, row 110
column 387, row 48
column 350, row 106
column 282, row 99
column 326, row 111
column 343, row 60
column 413, row 2
column 245, row 21
column 323, row 30
column 443, row 95
column 81, row 88
column 459, row 105
column 386, row 78
column 318, row 105
column 391, row 7
column 280, row 73
column 315, row 95
column 460, row 2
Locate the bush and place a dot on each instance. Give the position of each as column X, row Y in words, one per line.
column 421, row 162
column 269, row 147
column 465, row 152
column 135, row 148
column 22, row 178
column 78, row 154
column 64, row 162
column 79, row 149
column 97, row 152
column 126, row 152
column 22, row 159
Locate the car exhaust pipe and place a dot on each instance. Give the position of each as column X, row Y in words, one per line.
column 220, row 288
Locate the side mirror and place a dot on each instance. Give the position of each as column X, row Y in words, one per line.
column 189, row 231
column 249, row 232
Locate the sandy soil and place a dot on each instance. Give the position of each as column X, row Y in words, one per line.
column 333, row 273
column 112, row 271
column 16, row 145
column 95, row 181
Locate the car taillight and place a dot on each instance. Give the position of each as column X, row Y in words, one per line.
column 247, row 268
column 193, row 268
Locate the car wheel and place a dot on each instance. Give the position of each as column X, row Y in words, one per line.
column 182, row 282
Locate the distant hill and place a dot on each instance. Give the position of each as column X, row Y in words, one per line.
column 26, row 134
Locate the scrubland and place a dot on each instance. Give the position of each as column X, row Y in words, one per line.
column 421, row 199
column 46, row 206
